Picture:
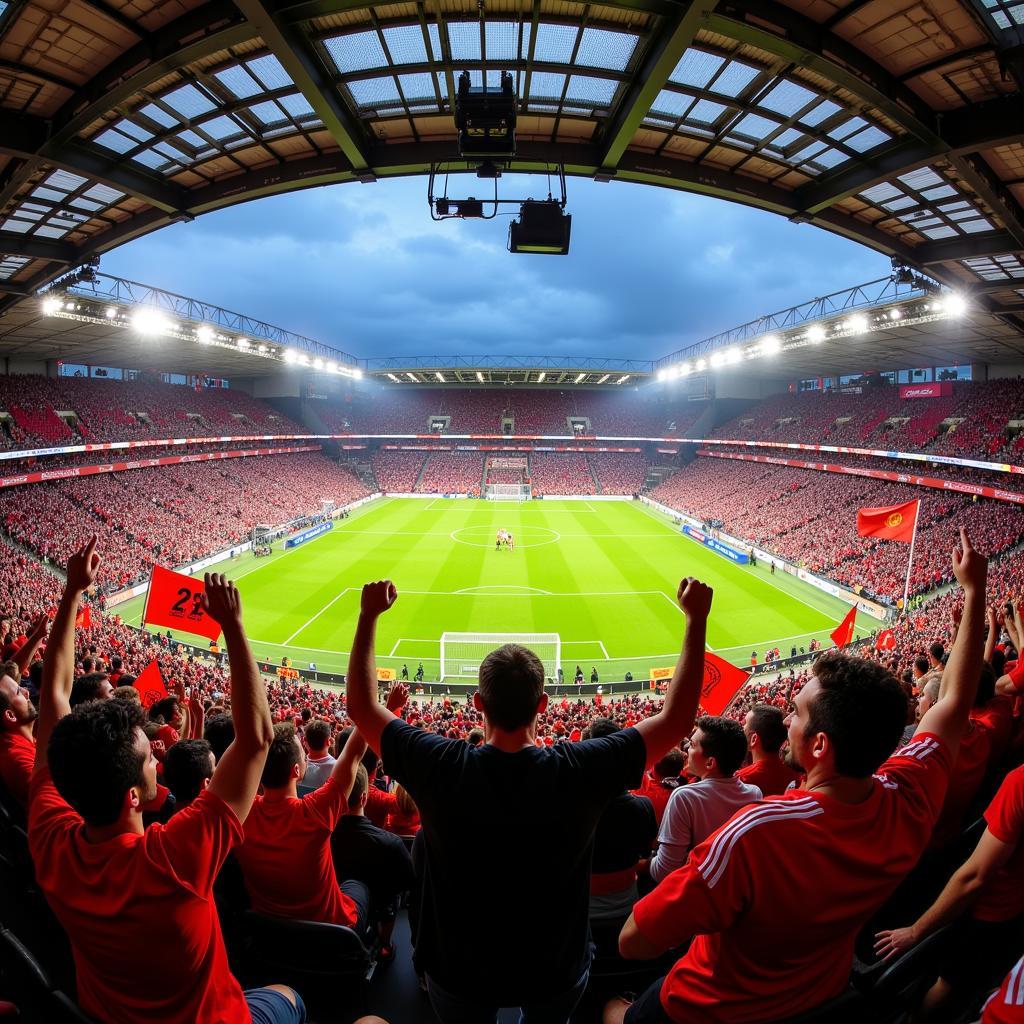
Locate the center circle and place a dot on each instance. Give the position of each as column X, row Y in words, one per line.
column 484, row 536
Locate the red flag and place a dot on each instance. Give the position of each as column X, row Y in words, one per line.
column 173, row 601
column 83, row 620
column 721, row 681
column 885, row 641
column 892, row 522
column 843, row 633
column 151, row 685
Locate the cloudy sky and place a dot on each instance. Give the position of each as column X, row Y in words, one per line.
column 364, row 268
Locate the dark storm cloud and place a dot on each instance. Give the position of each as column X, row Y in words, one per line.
column 364, row 268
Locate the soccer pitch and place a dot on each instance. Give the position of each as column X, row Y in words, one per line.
column 603, row 575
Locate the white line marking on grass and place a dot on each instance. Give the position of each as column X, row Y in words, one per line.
column 315, row 617
column 604, row 650
column 499, row 586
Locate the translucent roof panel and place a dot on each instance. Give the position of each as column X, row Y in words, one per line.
column 930, row 204
column 3, row 7
column 734, row 78
column 555, row 43
column 788, row 98
column 1005, row 267
column 600, row 48
column 464, row 40
column 375, row 92
column 1005, row 13
column 546, row 85
column 60, row 203
column 597, row 91
column 696, row 68
column 405, row 44
column 189, row 101
column 356, row 51
column 270, row 72
column 502, row 40
column 10, row 265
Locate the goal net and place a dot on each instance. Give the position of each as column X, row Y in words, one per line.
column 461, row 653
column 508, row 492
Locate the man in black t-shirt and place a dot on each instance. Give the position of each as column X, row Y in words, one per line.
column 512, row 822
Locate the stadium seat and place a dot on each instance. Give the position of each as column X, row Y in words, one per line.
column 31, row 985
column 327, row 963
column 846, row 1008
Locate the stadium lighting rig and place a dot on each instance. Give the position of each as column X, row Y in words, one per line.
column 149, row 322
column 485, row 119
column 849, row 327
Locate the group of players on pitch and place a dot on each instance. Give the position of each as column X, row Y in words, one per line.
column 506, row 538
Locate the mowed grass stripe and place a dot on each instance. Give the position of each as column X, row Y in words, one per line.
column 611, row 569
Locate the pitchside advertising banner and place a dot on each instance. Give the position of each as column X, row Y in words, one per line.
column 313, row 531
column 739, row 557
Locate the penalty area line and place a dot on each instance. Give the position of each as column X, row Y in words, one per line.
column 314, row 618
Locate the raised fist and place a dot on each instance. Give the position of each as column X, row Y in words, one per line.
column 378, row 598
column 694, row 598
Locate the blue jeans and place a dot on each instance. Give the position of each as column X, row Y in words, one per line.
column 453, row 1009
column 268, row 1006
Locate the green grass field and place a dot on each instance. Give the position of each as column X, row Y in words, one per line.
column 603, row 575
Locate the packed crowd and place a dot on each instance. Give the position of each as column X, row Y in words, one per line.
column 561, row 473
column 76, row 410
column 172, row 515
column 786, row 520
column 675, row 847
column 618, row 473
column 452, row 473
column 973, row 422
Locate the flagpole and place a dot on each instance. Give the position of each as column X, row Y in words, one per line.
column 910, row 561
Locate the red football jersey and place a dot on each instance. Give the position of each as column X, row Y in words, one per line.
column 286, row 856
column 1007, row 1005
column 770, row 775
column 17, row 759
column 139, row 910
column 1003, row 897
column 774, row 899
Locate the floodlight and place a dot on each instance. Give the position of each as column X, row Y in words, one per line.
column 604, row 378
column 51, row 305
column 318, row 364
column 622, row 380
column 243, row 342
column 262, row 349
column 150, row 322
column 391, row 376
column 543, row 228
column 332, row 366
column 717, row 359
column 579, row 377
column 857, row 324
column 815, row 333
column 357, row 374
column 479, row 376
column 955, row 305
column 110, row 312
column 662, row 374
column 894, row 314
column 439, row 376
column 303, row 359
column 770, row 344
column 485, row 118
column 412, row 378
column 540, row 377
column 699, row 365
column 732, row 355
column 204, row 334
column 290, row 355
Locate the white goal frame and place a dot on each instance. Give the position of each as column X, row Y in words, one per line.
column 462, row 653
column 508, row 492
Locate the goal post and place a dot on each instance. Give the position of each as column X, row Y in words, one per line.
column 462, row 653
column 508, row 492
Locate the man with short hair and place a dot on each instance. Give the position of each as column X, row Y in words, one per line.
column 770, row 941
column 717, row 749
column 91, row 686
column 765, row 730
column 319, row 762
column 286, row 855
column 188, row 768
column 137, row 904
column 17, row 742
column 219, row 732
column 508, row 820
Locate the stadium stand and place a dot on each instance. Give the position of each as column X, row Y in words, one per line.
column 397, row 471
column 452, row 473
column 562, row 473
column 618, row 473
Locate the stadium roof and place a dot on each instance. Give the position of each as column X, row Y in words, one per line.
column 903, row 130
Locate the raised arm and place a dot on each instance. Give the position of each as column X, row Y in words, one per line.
column 23, row 656
column 947, row 718
column 59, row 662
column 369, row 716
column 237, row 775
column 993, row 634
column 675, row 720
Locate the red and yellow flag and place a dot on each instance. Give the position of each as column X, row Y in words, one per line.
column 174, row 601
column 83, row 620
column 843, row 633
column 721, row 682
column 891, row 522
column 151, row 685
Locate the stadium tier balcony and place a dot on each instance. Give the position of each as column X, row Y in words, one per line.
column 452, row 473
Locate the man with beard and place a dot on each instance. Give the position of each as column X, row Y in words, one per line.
column 773, row 900
column 17, row 743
